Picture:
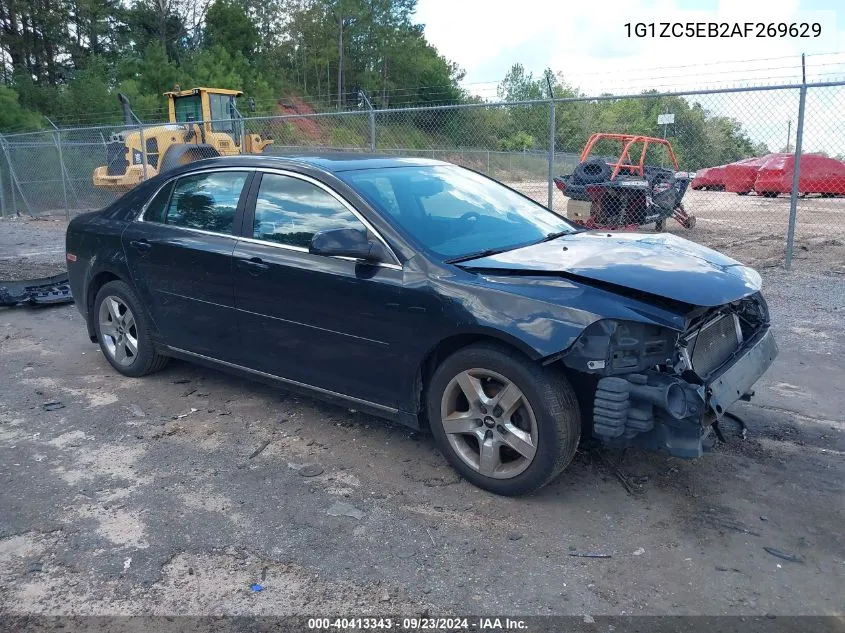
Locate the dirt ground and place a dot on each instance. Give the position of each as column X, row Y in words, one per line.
column 31, row 248
column 173, row 494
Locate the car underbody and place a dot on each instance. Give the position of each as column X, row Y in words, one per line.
column 659, row 389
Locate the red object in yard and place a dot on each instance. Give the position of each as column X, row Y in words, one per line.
column 630, row 143
column 819, row 174
column 740, row 176
column 712, row 178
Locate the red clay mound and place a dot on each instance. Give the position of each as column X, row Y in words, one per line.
column 291, row 106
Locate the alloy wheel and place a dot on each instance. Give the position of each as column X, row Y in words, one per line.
column 489, row 423
column 119, row 330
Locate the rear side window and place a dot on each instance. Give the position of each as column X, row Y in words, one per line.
column 290, row 211
column 205, row 201
column 158, row 205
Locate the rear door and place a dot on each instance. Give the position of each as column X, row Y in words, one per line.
column 180, row 256
column 329, row 322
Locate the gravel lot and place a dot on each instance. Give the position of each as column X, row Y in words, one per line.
column 750, row 228
column 172, row 494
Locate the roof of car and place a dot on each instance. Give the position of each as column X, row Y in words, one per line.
column 328, row 161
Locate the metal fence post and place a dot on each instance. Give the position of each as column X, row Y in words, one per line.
column 372, row 116
column 57, row 139
column 141, row 138
column 796, row 169
column 2, row 192
column 143, row 147
column 551, row 153
column 551, row 144
column 11, row 178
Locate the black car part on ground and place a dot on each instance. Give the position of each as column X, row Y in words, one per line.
column 44, row 291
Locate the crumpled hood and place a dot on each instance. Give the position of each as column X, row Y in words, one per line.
column 661, row 264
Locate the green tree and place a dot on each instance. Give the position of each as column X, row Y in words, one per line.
column 521, row 86
column 13, row 116
column 227, row 25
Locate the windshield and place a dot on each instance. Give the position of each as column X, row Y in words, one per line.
column 455, row 212
column 188, row 109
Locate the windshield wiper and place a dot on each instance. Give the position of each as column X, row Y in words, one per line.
column 496, row 251
column 485, row 253
column 553, row 236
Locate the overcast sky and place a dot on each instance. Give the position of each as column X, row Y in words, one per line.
column 587, row 43
column 586, row 40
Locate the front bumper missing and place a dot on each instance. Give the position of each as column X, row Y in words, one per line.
column 661, row 412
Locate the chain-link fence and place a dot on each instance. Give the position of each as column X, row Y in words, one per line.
column 752, row 171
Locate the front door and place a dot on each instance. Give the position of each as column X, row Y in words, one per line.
column 180, row 257
column 327, row 322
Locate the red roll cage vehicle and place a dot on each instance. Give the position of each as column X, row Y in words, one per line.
column 625, row 194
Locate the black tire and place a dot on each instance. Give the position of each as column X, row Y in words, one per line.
column 742, row 193
column 769, row 194
column 185, row 153
column 660, row 225
column 147, row 360
column 591, row 171
column 550, row 396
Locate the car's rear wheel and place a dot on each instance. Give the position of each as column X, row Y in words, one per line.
column 123, row 331
column 505, row 423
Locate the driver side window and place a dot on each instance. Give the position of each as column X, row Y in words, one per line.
column 290, row 211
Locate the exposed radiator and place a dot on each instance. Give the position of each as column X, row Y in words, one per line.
column 714, row 344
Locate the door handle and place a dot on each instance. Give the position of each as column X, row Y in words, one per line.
column 141, row 245
column 254, row 265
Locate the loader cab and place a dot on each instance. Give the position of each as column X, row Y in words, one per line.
column 213, row 107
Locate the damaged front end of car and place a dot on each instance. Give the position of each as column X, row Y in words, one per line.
column 658, row 388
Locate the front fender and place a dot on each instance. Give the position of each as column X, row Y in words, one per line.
column 544, row 316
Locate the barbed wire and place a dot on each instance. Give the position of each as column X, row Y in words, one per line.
column 649, row 72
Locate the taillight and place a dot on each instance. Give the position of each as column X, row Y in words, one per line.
column 560, row 184
column 70, row 257
column 594, row 192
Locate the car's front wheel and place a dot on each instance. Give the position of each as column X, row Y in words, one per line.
column 505, row 423
column 123, row 332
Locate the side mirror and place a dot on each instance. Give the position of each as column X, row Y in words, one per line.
column 347, row 243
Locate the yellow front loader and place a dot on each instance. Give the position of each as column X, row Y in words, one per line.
column 203, row 123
